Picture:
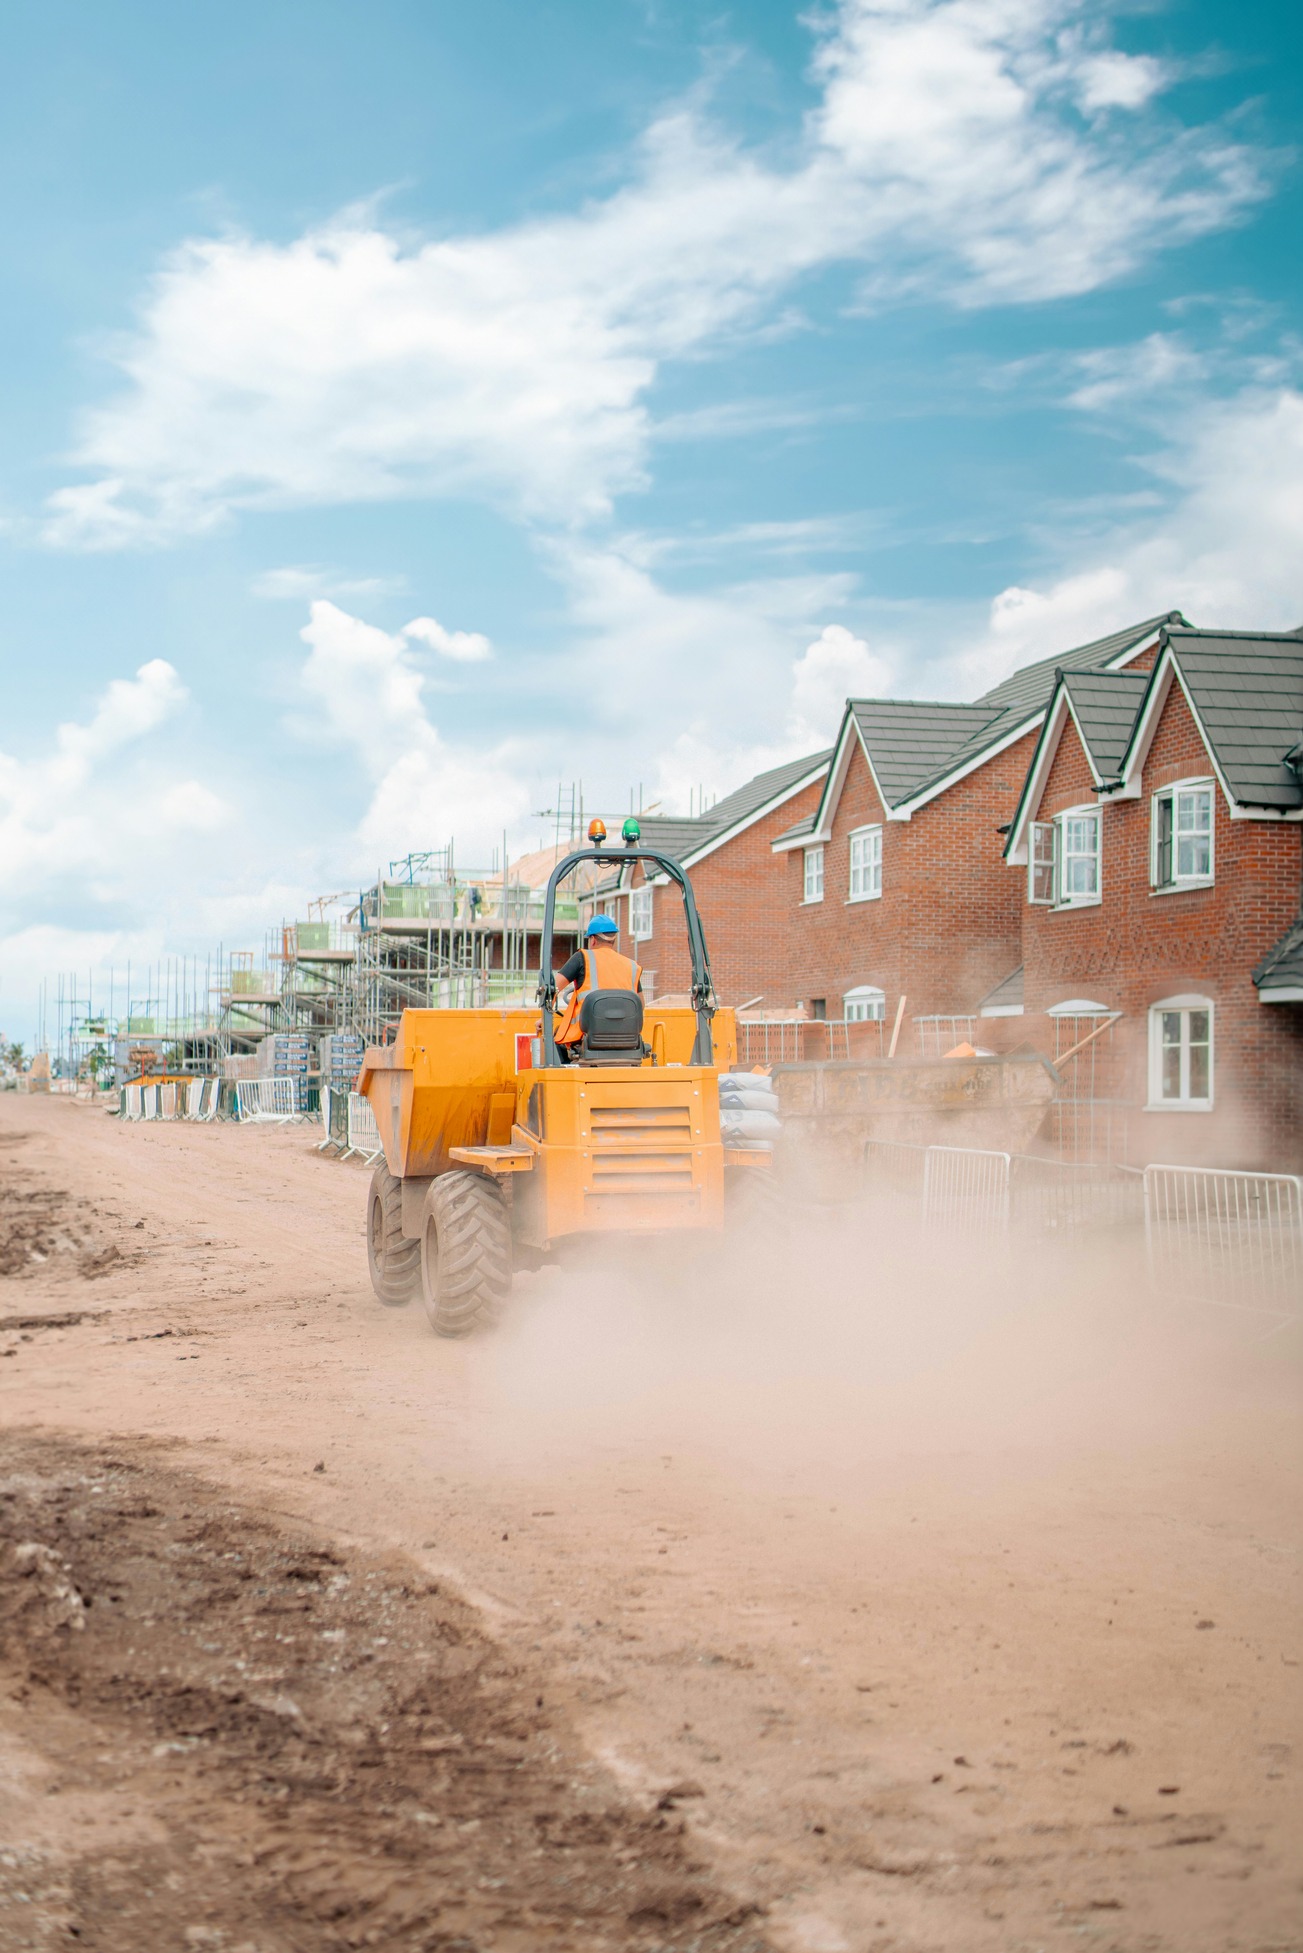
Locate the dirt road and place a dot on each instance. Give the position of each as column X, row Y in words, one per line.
column 812, row 1594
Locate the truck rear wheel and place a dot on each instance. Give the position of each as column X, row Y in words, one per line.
column 394, row 1260
column 465, row 1253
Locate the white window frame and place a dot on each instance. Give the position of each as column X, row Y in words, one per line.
column 1181, row 1006
column 1072, row 898
column 813, row 884
column 1177, row 791
column 642, row 912
column 1042, row 863
column 868, row 870
column 866, row 1004
column 1047, row 864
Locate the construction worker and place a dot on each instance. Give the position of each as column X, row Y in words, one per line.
column 597, row 966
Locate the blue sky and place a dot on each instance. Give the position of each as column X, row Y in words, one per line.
column 404, row 412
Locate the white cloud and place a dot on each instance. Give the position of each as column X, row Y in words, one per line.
column 463, row 647
column 1226, row 550
column 98, row 818
column 1125, row 81
column 424, row 789
column 1115, row 376
column 837, row 666
column 945, row 153
column 300, row 582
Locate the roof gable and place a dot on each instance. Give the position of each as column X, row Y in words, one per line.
column 1248, row 696
column 1245, row 694
column 909, row 742
column 1103, row 705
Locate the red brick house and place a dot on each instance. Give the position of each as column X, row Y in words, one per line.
column 1158, row 850
column 893, row 885
column 727, row 853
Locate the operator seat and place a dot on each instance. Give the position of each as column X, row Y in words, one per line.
column 611, row 1023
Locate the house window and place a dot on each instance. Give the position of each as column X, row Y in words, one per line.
column 1181, row 1055
column 813, row 875
column 1040, row 867
column 1079, row 854
column 1063, row 860
column 866, row 863
column 818, row 1009
column 640, row 913
column 864, row 1004
column 1183, row 834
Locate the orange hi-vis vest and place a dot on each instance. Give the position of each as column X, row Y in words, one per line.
column 604, row 969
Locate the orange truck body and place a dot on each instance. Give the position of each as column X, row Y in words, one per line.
column 610, row 1148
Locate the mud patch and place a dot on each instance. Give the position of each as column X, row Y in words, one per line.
column 40, row 1224
column 220, row 1733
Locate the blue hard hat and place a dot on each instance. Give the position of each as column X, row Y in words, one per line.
column 603, row 925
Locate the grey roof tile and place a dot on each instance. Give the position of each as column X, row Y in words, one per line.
column 1005, row 993
column 911, row 741
column 748, row 799
column 799, row 829
column 680, row 836
column 1029, row 689
column 1105, row 704
column 1248, row 692
column 995, row 716
column 1282, row 966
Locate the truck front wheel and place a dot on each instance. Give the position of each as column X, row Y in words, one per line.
column 465, row 1252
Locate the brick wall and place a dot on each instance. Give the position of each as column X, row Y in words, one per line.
column 947, row 925
column 1137, row 947
column 739, row 892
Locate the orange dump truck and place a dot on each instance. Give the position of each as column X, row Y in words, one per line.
column 499, row 1140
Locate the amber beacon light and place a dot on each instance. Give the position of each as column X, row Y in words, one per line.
column 597, row 832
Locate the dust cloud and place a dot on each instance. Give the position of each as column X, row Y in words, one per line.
column 830, row 1339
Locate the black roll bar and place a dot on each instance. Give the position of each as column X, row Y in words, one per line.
column 703, row 990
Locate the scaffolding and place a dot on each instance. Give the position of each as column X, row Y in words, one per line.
column 425, row 935
column 318, row 974
column 433, row 937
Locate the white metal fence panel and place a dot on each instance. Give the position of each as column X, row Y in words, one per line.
column 894, row 1166
column 1235, row 1239
column 1057, row 1194
column 363, row 1132
column 269, row 1100
column 809, row 1040
column 201, row 1098
column 966, row 1188
column 769, row 1044
column 935, row 1036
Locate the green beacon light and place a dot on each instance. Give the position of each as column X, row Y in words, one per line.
column 631, row 833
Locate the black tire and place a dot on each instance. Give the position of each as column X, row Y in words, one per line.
column 465, row 1253
column 394, row 1259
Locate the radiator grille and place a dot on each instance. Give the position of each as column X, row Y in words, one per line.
column 653, row 1173
column 641, row 1124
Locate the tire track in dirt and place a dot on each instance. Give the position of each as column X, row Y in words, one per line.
column 310, row 1747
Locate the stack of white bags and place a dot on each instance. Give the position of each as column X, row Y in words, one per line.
column 748, row 1109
